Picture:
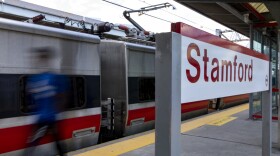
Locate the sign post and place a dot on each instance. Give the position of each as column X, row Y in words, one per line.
column 278, row 94
column 193, row 65
column 267, row 118
column 251, row 96
column 168, row 113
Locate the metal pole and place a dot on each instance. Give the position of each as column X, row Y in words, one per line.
column 262, row 44
column 276, row 76
column 278, row 48
column 267, row 117
column 168, row 95
column 251, row 98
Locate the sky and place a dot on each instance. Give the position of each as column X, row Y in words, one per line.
column 101, row 10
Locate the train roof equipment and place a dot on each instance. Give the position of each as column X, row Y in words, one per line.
column 31, row 13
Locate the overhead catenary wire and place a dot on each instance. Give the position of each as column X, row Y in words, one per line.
column 232, row 37
column 235, row 37
column 119, row 5
column 133, row 9
column 159, row 17
column 179, row 16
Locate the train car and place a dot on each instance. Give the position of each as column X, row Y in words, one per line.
column 77, row 55
column 128, row 79
column 231, row 101
column 121, row 73
column 226, row 102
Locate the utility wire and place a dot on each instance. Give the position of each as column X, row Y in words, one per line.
column 132, row 9
column 161, row 18
column 117, row 4
column 178, row 16
column 170, row 12
column 232, row 37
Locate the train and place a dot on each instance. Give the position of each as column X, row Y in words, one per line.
column 77, row 56
column 112, row 83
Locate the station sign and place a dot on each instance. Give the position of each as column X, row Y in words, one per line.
column 212, row 67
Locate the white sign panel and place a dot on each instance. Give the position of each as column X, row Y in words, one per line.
column 211, row 71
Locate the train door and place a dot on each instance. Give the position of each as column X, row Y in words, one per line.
column 141, row 88
column 114, row 89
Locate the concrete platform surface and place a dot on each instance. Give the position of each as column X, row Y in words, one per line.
column 240, row 137
column 224, row 133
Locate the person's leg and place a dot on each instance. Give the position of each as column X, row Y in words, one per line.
column 218, row 104
column 33, row 140
column 56, row 136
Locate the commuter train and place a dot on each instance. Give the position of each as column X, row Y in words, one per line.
column 112, row 87
column 128, row 77
column 77, row 56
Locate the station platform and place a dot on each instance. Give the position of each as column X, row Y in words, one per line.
column 228, row 132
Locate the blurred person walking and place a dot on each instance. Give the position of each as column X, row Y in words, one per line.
column 46, row 93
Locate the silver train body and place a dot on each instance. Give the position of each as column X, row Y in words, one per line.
column 127, row 74
column 128, row 77
column 77, row 56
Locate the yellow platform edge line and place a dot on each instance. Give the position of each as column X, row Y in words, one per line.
column 222, row 121
column 144, row 140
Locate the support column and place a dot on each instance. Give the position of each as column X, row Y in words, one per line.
column 251, row 97
column 267, row 117
column 168, row 95
column 262, row 43
column 278, row 82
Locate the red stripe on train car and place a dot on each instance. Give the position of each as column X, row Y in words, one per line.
column 14, row 138
column 257, row 116
column 236, row 98
column 149, row 113
column 194, row 106
column 275, row 90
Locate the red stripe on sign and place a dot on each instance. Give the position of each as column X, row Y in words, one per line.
column 147, row 113
column 194, row 106
column 14, row 138
column 189, row 31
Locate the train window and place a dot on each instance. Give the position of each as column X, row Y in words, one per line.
column 75, row 97
column 147, row 89
column 8, row 95
column 27, row 105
